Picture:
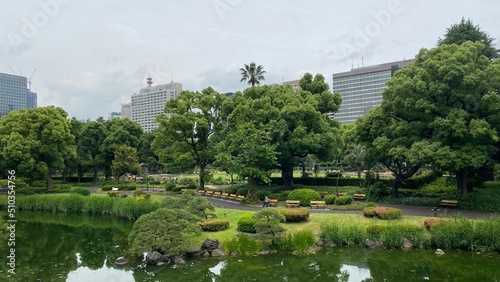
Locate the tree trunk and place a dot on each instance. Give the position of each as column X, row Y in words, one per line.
column 462, row 182
column 50, row 182
column 359, row 171
column 253, row 189
column 303, row 170
column 287, row 174
column 202, row 177
column 95, row 173
column 397, row 182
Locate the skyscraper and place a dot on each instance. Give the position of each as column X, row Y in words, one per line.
column 361, row 89
column 150, row 102
column 31, row 99
column 13, row 93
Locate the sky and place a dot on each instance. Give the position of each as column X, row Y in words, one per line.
column 91, row 56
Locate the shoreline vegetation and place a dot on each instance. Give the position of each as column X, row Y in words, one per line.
column 317, row 230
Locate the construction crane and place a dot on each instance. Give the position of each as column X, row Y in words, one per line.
column 12, row 70
column 29, row 78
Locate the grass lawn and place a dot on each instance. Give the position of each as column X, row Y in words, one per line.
column 314, row 223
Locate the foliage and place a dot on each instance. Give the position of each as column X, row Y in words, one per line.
column 80, row 190
column 242, row 245
column 267, row 224
column 295, row 215
column 378, row 190
column 139, row 193
column 242, row 191
column 192, row 202
column 125, row 161
column 431, row 223
column 354, row 157
column 169, row 185
column 168, row 230
column 457, row 233
column 261, row 194
column 214, row 225
column 89, row 144
column 218, row 181
column 305, row 196
column 301, row 240
column 186, row 136
column 330, row 199
column 246, row 223
column 35, row 142
column 342, row 235
column 343, row 200
column 388, row 213
column 252, row 73
column 369, row 212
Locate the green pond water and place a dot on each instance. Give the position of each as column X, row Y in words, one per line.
column 61, row 247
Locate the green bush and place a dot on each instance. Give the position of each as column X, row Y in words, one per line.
column 242, row 245
column 305, row 196
column 80, row 190
column 214, row 225
column 295, row 215
column 387, row 213
column 114, row 194
column 379, row 190
column 231, row 190
column 330, row 199
column 169, row 185
column 261, row 194
column 177, row 189
column 218, row 181
column 369, row 212
column 343, row 200
column 242, row 191
column 284, row 195
column 246, row 223
column 192, row 186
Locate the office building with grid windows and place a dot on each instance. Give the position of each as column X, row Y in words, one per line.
column 13, row 93
column 150, row 102
column 361, row 89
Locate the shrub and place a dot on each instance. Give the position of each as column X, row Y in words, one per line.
column 379, row 190
column 106, row 188
column 80, row 190
column 218, row 181
column 246, row 223
column 261, row 194
column 214, row 225
column 430, row 223
column 330, row 199
column 114, row 194
column 369, row 212
column 242, row 245
column 305, row 196
column 192, row 185
column 284, row 195
column 343, row 200
column 169, row 185
column 138, row 193
column 242, row 191
column 388, row 213
column 231, row 190
column 295, row 215
column 177, row 189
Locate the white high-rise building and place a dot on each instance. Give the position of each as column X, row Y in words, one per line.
column 126, row 111
column 150, row 102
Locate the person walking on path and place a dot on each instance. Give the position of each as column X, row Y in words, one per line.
column 266, row 202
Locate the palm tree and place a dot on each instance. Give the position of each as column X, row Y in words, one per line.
column 354, row 157
column 252, row 73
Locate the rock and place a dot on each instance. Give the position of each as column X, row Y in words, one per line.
column 439, row 252
column 320, row 243
column 206, row 254
column 218, row 253
column 121, row 261
column 161, row 263
column 371, row 244
column 209, row 245
column 310, row 250
column 407, row 244
column 264, row 253
column 179, row 260
column 153, row 258
column 194, row 252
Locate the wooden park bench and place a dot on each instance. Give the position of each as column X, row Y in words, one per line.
column 239, row 198
column 224, row 196
column 209, row 193
column 449, row 203
column 217, row 194
column 341, row 194
column 323, row 194
column 183, row 190
column 232, row 197
column 318, row 204
column 201, row 192
column 273, row 202
column 292, row 203
column 359, row 196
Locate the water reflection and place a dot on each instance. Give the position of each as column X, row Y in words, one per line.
column 216, row 270
column 353, row 273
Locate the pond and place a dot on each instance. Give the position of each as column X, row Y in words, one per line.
column 61, row 247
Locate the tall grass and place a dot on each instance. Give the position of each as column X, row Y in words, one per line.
column 487, row 235
column 242, row 245
column 73, row 203
column 342, row 234
column 456, row 233
column 301, row 240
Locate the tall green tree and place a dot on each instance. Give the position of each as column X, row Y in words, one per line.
column 252, row 73
column 465, row 31
column 75, row 163
column 146, row 153
column 355, row 157
column 92, row 138
column 296, row 122
column 35, row 142
column 448, row 100
column 186, row 135
column 120, row 132
column 125, row 161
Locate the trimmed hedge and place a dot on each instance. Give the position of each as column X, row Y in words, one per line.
column 246, row 223
column 80, row 191
column 305, row 196
column 214, row 225
column 369, row 212
column 343, row 200
column 295, row 215
column 330, row 199
column 388, row 213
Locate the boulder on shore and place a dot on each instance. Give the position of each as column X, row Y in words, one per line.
column 153, row 258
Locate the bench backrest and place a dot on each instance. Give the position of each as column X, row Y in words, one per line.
column 292, row 201
column 209, row 192
column 317, row 202
column 449, row 201
column 342, row 193
column 217, row 193
column 241, row 197
column 232, row 195
column 359, row 195
column 323, row 192
column 225, row 194
column 273, row 200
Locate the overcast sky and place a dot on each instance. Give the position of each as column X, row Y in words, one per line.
column 92, row 55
